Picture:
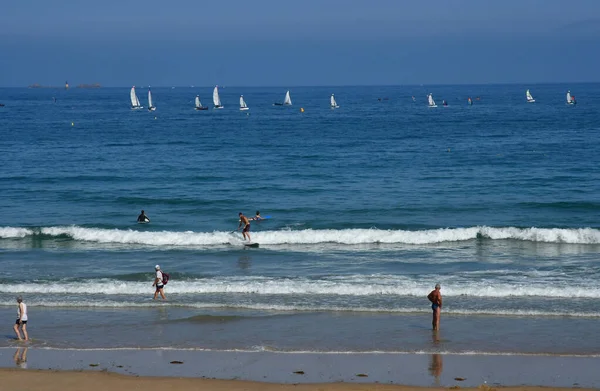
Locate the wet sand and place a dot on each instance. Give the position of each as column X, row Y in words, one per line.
column 415, row 370
column 14, row 379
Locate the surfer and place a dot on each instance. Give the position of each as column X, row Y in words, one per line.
column 142, row 218
column 21, row 320
column 246, row 223
column 435, row 297
column 257, row 217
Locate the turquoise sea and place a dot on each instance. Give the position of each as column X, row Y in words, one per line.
column 371, row 205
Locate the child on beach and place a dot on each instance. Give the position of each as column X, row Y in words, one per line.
column 21, row 320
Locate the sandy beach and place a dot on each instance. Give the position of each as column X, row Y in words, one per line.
column 14, row 379
column 64, row 368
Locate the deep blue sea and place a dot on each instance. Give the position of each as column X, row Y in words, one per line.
column 371, row 205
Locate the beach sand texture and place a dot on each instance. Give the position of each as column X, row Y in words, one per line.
column 13, row 379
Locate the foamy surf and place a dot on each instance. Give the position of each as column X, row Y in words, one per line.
column 354, row 286
column 310, row 236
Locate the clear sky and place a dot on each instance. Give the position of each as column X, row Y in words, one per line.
column 295, row 43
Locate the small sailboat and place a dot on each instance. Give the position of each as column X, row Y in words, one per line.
column 135, row 102
column 571, row 99
column 430, row 101
column 470, row 101
column 151, row 107
column 333, row 103
column 199, row 104
column 243, row 105
column 216, row 99
column 286, row 102
column 444, row 103
column 529, row 97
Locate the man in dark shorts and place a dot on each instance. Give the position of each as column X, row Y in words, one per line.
column 21, row 322
column 435, row 297
column 246, row 223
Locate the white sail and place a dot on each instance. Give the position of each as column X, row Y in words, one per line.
column 216, row 99
column 529, row 97
column 287, row 100
column 135, row 102
column 150, row 99
column 198, row 104
column 431, row 101
column 569, row 100
column 243, row 105
column 334, row 104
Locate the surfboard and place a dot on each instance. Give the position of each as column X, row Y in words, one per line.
column 262, row 218
column 251, row 244
column 143, row 222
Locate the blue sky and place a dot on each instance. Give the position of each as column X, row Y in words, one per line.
column 293, row 43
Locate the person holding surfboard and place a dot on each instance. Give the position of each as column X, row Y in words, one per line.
column 142, row 218
column 246, row 223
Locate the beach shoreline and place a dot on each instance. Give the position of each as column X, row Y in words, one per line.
column 409, row 370
column 72, row 381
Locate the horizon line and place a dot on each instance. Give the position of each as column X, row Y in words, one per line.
column 43, row 87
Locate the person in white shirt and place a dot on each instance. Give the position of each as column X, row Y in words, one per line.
column 21, row 320
column 158, row 282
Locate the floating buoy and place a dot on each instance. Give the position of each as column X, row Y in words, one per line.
column 302, row 109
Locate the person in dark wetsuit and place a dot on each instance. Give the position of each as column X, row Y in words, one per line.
column 257, row 217
column 435, row 297
column 142, row 218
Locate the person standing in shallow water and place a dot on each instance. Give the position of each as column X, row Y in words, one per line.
column 435, row 297
column 21, row 320
column 158, row 283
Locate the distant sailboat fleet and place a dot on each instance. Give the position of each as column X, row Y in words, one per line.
column 287, row 101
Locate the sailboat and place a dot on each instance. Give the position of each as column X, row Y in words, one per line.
column 470, row 101
column 286, row 102
column 216, row 99
column 243, row 105
column 150, row 106
column 529, row 97
column 570, row 99
column 430, row 100
column 334, row 104
column 199, row 105
column 135, row 102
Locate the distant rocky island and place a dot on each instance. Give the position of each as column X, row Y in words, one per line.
column 36, row 85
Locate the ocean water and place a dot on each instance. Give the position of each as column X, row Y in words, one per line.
column 371, row 205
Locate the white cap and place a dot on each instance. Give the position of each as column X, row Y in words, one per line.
column 157, row 267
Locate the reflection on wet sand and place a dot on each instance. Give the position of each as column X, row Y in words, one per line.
column 20, row 358
column 436, row 366
column 436, row 362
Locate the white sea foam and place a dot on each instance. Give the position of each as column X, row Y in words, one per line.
column 12, row 232
column 310, row 236
column 357, row 286
column 299, row 308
